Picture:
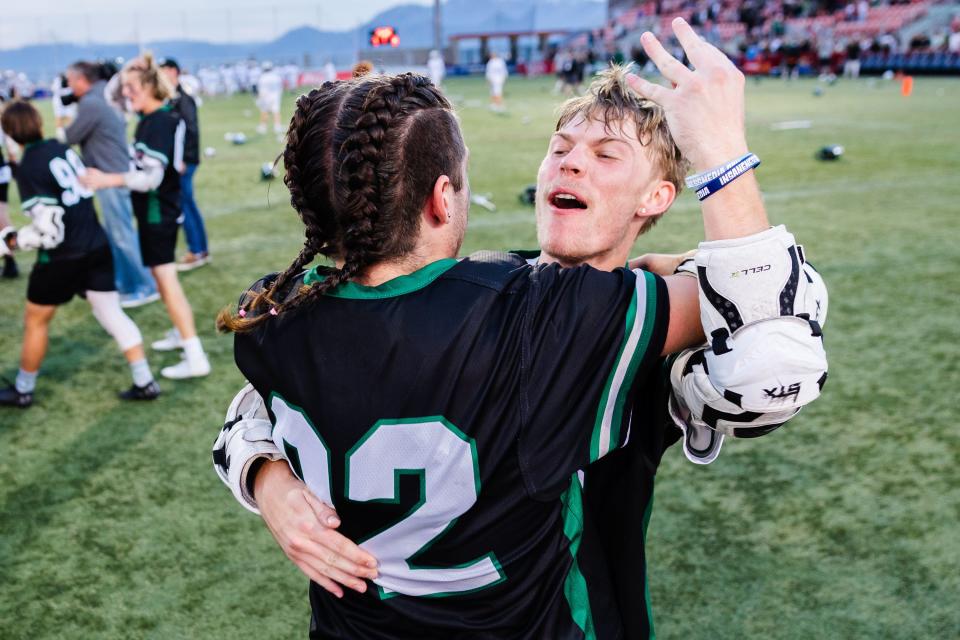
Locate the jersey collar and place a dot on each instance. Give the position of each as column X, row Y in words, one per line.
column 398, row 286
column 36, row 143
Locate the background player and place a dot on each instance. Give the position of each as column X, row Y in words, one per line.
column 184, row 105
column 64, row 104
column 73, row 256
column 155, row 183
column 436, row 68
column 9, row 269
column 269, row 97
column 496, row 73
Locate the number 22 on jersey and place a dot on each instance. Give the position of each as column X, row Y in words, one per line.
column 432, row 449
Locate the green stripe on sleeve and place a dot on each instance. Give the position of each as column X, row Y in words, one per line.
column 153, row 153
column 636, row 340
column 35, row 200
column 575, row 586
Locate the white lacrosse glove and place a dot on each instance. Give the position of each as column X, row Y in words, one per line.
column 5, row 234
column 246, row 436
column 46, row 229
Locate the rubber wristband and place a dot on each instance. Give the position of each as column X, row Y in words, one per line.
column 720, row 182
column 698, row 180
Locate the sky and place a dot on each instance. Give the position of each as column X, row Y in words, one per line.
column 82, row 21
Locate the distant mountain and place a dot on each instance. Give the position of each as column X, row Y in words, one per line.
column 311, row 47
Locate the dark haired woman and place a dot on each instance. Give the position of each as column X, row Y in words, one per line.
column 155, row 184
column 73, row 257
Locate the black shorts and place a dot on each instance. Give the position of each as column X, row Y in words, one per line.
column 158, row 241
column 57, row 281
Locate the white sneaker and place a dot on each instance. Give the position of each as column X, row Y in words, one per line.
column 187, row 369
column 171, row 340
column 261, row 128
column 191, row 261
column 133, row 301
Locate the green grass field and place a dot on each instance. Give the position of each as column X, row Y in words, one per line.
column 841, row 525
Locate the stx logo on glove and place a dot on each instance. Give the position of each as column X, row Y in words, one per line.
column 780, row 393
column 746, row 272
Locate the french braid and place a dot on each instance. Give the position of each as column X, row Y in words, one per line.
column 361, row 160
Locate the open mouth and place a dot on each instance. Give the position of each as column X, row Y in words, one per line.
column 562, row 200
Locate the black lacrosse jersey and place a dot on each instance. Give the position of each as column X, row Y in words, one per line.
column 619, row 498
column 159, row 135
column 445, row 414
column 618, row 494
column 48, row 174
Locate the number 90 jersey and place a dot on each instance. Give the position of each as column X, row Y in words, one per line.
column 446, row 414
column 49, row 174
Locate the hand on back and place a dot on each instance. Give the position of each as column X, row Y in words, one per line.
column 305, row 529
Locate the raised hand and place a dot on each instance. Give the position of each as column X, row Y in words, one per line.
column 705, row 107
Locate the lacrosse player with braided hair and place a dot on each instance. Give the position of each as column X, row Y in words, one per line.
column 73, row 257
column 249, row 409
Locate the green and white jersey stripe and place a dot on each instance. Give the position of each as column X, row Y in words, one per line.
column 639, row 319
column 35, row 200
column 151, row 152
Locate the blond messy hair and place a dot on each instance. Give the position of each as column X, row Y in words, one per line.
column 150, row 76
column 610, row 100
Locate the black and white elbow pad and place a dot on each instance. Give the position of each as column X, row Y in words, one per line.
column 762, row 309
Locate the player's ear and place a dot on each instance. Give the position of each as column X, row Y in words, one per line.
column 440, row 204
column 657, row 200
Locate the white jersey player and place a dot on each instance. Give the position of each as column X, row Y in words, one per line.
column 269, row 94
column 436, row 68
column 62, row 114
column 329, row 72
column 496, row 74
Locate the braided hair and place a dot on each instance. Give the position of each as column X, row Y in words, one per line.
column 361, row 160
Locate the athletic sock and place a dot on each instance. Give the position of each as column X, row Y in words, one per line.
column 26, row 382
column 140, row 370
column 193, row 350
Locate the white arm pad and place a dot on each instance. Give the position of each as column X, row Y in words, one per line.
column 762, row 320
column 46, row 229
column 146, row 179
column 705, row 416
column 708, row 397
column 245, row 437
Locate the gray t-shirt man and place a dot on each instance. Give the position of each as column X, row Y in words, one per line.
column 100, row 131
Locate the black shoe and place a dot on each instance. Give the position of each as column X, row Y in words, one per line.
column 10, row 397
column 9, row 268
column 149, row 391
